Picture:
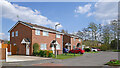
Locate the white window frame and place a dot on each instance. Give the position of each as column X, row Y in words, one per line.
column 45, row 33
column 74, row 39
column 45, row 45
column 37, row 32
column 58, row 35
column 79, row 40
column 12, row 34
column 16, row 33
column 14, row 44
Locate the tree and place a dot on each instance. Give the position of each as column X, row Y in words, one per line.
column 113, row 26
column 80, row 34
column 64, row 31
column 93, row 28
column 106, row 34
column 85, row 33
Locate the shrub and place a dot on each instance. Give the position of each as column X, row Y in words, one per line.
column 104, row 47
column 50, row 55
column 35, row 47
column 114, row 61
column 44, row 53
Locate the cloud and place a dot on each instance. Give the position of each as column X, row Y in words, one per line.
column 89, row 14
column 15, row 12
column 86, row 8
column 3, row 36
column 104, row 11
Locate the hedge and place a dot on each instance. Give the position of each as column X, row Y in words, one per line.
column 44, row 53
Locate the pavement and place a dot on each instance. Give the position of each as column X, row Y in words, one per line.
column 88, row 59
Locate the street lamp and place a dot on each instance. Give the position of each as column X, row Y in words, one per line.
column 115, row 21
column 55, row 38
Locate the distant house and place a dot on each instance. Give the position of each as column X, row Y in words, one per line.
column 23, row 35
column 71, row 41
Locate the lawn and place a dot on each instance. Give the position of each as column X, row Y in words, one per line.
column 92, row 52
column 63, row 56
column 116, row 50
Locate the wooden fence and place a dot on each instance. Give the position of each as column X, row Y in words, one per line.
column 11, row 48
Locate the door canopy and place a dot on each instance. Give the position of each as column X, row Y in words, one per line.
column 67, row 44
column 54, row 42
column 25, row 41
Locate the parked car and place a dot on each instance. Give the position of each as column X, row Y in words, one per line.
column 94, row 49
column 77, row 50
column 98, row 49
column 65, row 50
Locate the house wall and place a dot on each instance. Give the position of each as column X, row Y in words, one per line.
column 23, row 32
column 66, row 39
column 40, row 39
column 75, row 42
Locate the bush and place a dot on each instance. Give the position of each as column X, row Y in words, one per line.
column 44, row 53
column 104, row 47
column 114, row 61
column 35, row 47
column 87, row 49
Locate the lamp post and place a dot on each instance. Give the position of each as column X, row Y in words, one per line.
column 55, row 39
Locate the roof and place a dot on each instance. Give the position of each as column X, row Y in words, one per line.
column 72, row 35
column 33, row 26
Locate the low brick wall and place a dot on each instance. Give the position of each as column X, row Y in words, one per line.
column 2, row 53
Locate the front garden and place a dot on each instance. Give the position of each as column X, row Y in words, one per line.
column 113, row 62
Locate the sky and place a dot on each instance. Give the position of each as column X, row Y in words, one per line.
column 72, row 16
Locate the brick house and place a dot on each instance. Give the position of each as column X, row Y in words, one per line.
column 71, row 41
column 23, row 35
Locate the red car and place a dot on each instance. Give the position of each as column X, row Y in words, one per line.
column 98, row 49
column 77, row 50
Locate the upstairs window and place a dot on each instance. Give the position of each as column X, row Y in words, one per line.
column 12, row 34
column 45, row 33
column 74, row 39
column 79, row 40
column 16, row 33
column 57, row 35
column 37, row 32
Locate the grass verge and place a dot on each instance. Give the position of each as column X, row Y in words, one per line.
column 67, row 56
column 92, row 52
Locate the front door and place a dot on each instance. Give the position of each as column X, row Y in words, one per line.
column 53, row 49
column 27, row 49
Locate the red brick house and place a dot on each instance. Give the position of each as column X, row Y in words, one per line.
column 23, row 35
column 71, row 41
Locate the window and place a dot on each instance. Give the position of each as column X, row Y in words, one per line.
column 16, row 33
column 14, row 44
column 74, row 47
column 43, row 46
column 57, row 35
column 12, row 34
column 45, row 33
column 74, row 39
column 79, row 40
column 58, row 46
column 37, row 32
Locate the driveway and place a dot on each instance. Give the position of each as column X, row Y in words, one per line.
column 17, row 58
column 88, row 59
